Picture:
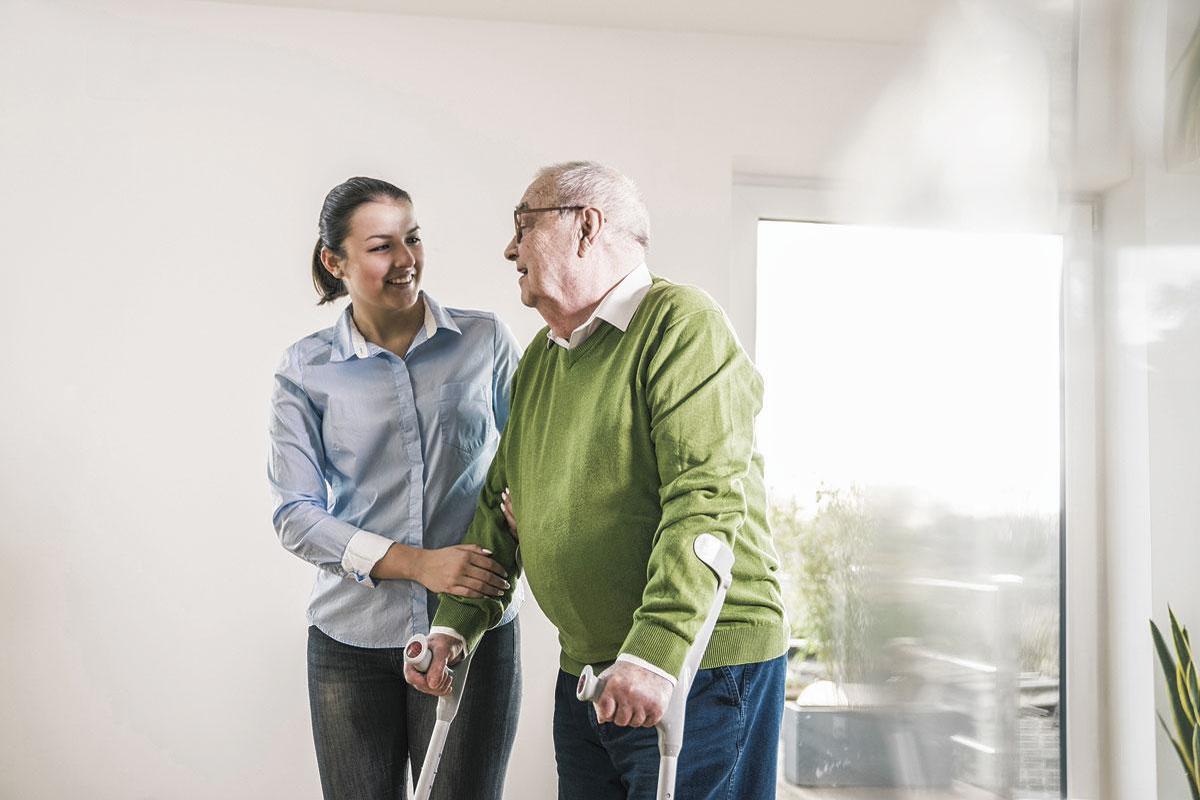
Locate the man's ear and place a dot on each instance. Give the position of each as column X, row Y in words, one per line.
column 331, row 263
column 590, row 228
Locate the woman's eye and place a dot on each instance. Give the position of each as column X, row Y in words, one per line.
column 414, row 240
column 379, row 248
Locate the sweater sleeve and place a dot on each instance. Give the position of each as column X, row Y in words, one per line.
column 472, row 617
column 704, row 394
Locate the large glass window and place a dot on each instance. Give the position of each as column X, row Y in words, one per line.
column 911, row 431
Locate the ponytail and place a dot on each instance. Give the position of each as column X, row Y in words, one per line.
column 327, row 286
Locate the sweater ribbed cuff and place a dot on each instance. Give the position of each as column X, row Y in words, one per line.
column 657, row 645
column 469, row 621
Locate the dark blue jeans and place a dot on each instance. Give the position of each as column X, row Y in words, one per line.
column 367, row 720
column 730, row 741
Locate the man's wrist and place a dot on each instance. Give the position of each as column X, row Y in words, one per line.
column 451, row 633
column 646, row 665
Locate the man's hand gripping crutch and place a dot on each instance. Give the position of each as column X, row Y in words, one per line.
column 718, row 558
column 420, row 654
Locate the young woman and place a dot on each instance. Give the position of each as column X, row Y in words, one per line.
column 382, row 429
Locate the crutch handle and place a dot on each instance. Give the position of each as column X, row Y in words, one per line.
column 590, row 685
column 417, row 653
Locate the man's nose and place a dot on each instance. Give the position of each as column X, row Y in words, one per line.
column 510, row 252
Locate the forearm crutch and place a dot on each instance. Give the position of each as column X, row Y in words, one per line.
column 417, row 654
column 719, row 558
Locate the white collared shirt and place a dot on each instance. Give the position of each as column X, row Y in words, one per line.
column 616, row 308
column 359, row 342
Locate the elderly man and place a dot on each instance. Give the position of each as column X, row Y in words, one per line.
column 631, row 432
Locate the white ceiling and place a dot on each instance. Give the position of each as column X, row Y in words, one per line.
column 852, row 20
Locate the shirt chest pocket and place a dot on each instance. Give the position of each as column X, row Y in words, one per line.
column 464, row 416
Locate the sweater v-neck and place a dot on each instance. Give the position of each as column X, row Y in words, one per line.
column 576, row 354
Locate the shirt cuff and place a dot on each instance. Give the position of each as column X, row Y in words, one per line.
column 453, row 634
column 644, row 664
column 362, row 554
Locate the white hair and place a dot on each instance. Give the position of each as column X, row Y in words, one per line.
column 590, row 183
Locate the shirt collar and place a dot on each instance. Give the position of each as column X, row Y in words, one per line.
column 348, row 339
column 616, row 308
column 437, row 317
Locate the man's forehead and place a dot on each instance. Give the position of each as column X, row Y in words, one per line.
column 535, row 195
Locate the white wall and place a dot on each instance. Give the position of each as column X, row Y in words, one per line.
column 163, row 165
column 1152, row 322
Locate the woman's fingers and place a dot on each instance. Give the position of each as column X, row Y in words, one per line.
column 479, row 586
column 506, row 508
column 492, row 580
column 489, row 564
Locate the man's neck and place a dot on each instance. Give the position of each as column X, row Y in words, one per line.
column 564, row 325
column 564, row 320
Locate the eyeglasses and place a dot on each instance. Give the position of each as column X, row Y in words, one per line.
column 517, row 212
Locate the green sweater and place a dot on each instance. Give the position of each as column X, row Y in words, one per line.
column 619, row 453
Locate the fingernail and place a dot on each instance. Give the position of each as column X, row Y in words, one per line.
column 488, row 552
column 507, row 585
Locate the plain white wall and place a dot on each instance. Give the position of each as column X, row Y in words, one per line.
column 163, row 165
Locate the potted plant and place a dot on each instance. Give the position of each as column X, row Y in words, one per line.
column 1180, row 672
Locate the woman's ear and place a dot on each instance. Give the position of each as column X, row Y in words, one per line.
column 331, row 263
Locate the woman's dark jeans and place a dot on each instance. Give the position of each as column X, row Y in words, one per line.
column 367, row 722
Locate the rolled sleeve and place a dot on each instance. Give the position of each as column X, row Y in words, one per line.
column 362, row 554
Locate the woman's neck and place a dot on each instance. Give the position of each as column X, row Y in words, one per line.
column 390, row 329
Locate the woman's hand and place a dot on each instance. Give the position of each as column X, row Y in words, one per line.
column 509, row 516
column 466, row 570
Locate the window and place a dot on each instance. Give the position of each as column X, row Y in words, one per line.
column 912, row 437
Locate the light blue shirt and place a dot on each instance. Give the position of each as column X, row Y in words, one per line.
column 367, row 448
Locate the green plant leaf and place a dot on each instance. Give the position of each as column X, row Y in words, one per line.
column 1193, row 692
column 1187, row 767
column 1183, row 726
column 1177, row 634
column 1182, row 652
column 1193, row 776
column 1190, row 675
column 1181, row 693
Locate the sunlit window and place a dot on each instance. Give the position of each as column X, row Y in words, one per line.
column 911, row 432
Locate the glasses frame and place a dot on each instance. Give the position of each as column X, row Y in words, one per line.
column 517, row 212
